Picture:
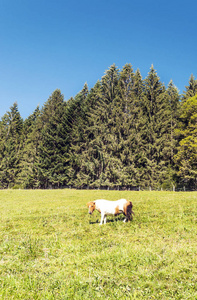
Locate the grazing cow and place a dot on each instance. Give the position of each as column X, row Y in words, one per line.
column 115, row 208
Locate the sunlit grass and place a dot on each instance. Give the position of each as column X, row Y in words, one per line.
column 50, row 248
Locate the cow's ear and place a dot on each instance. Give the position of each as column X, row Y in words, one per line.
column 88, row 204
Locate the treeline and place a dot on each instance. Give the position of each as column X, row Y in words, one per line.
column 124, row 132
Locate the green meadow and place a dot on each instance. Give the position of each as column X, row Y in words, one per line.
column 51, row 248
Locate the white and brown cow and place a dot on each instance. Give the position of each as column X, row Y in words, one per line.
column 115, row 208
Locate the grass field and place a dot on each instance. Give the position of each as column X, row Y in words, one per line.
column 50, row 248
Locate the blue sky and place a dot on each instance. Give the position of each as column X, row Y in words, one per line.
column 49, row 44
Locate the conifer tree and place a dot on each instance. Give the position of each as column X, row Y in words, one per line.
column 156, row 133
column 141, row 126
column 186, row 157
column 126, row 116
column 174, row 105
column 88, row 152
column 53, row 149
column 77, row 120
column 191, row 89
column 138, row 87
column 27, row 177
column 109, row 84
column 95, row 164
column 110, row 165
column 10, row 146
column 92, row 160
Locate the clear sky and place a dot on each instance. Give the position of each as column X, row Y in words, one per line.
column 50, row 44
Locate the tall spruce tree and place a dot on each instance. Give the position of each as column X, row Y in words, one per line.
column 77, row 119
column 90, row 149
column 141, row 126
column 138, row 87
column 110, row 164
column 186, row 157
column 156, row 133
column 174, row 105
column 27, row 177
column 126, row 117
column 52, row 162
column 10, row 146
column 191, row 89
column 97, row 164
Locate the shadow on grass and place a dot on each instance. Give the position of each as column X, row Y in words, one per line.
column 109, row 220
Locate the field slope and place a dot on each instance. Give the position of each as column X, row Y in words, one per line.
column 50, row 248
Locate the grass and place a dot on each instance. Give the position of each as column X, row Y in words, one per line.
column 50, row 248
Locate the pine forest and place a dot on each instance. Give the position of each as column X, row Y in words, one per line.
column 124, row 133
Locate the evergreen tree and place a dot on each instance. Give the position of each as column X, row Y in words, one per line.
column 52, row 163
column 10, row 146
column 27, row 177
column 186, row 157
column 126, row 116
column 138, row 87
column 191, row 89
column 156, row 132
column 141, row 125
column 109, row 84
column 109, row 164
column 174, row 105
column 77, row 119
column 91, row 150
column 95, row 164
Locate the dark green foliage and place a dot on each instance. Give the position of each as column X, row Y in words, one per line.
column 174, row 106
column 127, row 115
column 10, row 146
column 186, row 157
column 125, row 132
column 27, row 177
column 191, row 89
column 52, row 158
column 156, row 131
column 77, row 120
